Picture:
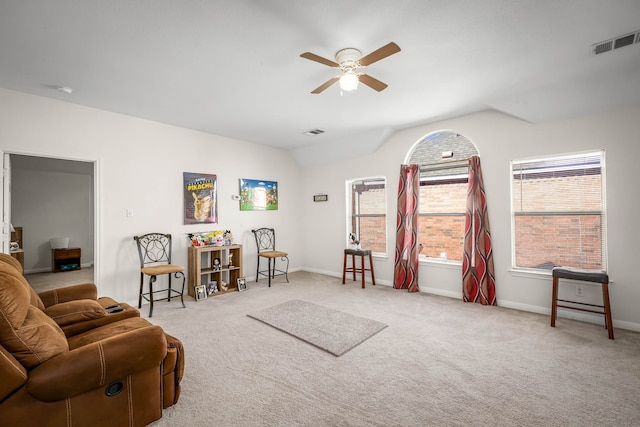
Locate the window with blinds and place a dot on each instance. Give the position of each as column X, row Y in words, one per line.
column 558, row 212
column 443, row 157
column 367, row 217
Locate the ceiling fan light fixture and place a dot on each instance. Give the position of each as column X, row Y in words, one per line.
column 349, row 81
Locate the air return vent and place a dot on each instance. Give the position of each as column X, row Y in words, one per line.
column 314, row 132
column 617, row 43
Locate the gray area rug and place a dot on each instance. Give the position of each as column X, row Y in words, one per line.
column 331, row 330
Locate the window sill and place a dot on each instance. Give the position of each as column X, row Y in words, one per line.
column 440, row 262
column 530, row 273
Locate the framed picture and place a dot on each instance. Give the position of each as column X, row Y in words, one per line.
column 242, row 283
column 258, row 195
column 201, row 292
column 200, row 203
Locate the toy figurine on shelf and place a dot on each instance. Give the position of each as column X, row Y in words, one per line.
column 213, row 287
column 354, row 242
column 216, row 264
column 230, row 260
column 223, row 285
column 228, row 238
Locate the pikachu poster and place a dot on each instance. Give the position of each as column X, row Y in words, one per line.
column 200, row 201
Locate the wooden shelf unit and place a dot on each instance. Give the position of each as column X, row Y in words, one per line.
column 200, row 259
column 67, row 259
column 16, row 236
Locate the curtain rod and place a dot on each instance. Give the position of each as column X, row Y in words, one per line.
column 444, row 165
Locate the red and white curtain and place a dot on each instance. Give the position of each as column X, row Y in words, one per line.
column 478, row 274
column 405, row 275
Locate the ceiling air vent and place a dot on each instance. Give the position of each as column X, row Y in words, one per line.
column 617, row 43
column 314, row 132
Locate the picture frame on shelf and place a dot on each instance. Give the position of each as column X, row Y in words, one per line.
column 201, row 292
column 242, row 284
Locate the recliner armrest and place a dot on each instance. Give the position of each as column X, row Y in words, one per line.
column 98, row 364
column 69, row 293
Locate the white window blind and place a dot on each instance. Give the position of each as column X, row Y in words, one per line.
column 558, row 206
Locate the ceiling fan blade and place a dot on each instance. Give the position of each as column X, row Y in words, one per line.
column 326, row 84
column 320, row 59
column 379, row 54
column 372, row 83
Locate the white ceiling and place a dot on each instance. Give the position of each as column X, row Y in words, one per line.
column 233, row 68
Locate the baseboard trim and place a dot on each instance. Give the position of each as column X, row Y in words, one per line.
column 562, row 313
column 48, row 269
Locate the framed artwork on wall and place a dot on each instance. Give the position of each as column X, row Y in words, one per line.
column 258, row 195
column 200, row 198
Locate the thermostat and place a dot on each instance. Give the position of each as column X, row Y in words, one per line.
column 320, row 198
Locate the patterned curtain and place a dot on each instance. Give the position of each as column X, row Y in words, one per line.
column 405, row 275
column 478, row 277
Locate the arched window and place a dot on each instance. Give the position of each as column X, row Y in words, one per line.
column 444, row 175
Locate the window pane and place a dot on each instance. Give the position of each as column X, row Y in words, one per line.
column 373, row 234
column 372, row 200
column 442, row 209
column 558, row 212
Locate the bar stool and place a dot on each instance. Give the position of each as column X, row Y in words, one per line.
column 595, row 276
column 353, row 269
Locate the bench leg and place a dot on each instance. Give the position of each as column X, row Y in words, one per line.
column 373, row 276
column 554, row 302
column 344, row 268
column 607, row 310
column 362, row 270
column 353, row 265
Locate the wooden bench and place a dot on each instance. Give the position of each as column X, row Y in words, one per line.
column 595, row 276
column 353, row 269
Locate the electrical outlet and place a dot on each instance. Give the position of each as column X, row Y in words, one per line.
column 579, row 291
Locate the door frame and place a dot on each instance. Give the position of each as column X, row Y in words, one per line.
column 97, row 203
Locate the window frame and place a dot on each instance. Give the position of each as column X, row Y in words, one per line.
column 349, row 183
column 602, row 212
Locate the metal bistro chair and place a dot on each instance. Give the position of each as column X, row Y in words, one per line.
column 154, row 250
column 266, row 243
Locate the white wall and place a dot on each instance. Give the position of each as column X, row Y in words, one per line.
column 140, row 165
column 52, row 198
column 499, row 139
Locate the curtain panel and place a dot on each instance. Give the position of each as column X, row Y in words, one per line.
column 405, row 275
column 478, row 274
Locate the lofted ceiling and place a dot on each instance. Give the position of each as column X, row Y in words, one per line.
column 233, row 68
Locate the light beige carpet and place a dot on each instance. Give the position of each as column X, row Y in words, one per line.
column 331, row 330
column 440, row 362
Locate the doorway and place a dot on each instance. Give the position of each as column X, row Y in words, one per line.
column 54, row 198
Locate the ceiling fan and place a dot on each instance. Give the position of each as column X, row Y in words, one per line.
column 348, row 61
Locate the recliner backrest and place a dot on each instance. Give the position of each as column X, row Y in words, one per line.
column 33, row 296
column 26, row 332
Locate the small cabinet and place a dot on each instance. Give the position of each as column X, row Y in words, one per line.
column 65, row 259
column 217, row 264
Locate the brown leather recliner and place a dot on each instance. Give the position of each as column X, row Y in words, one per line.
column 75, row 308
column 121, row 373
